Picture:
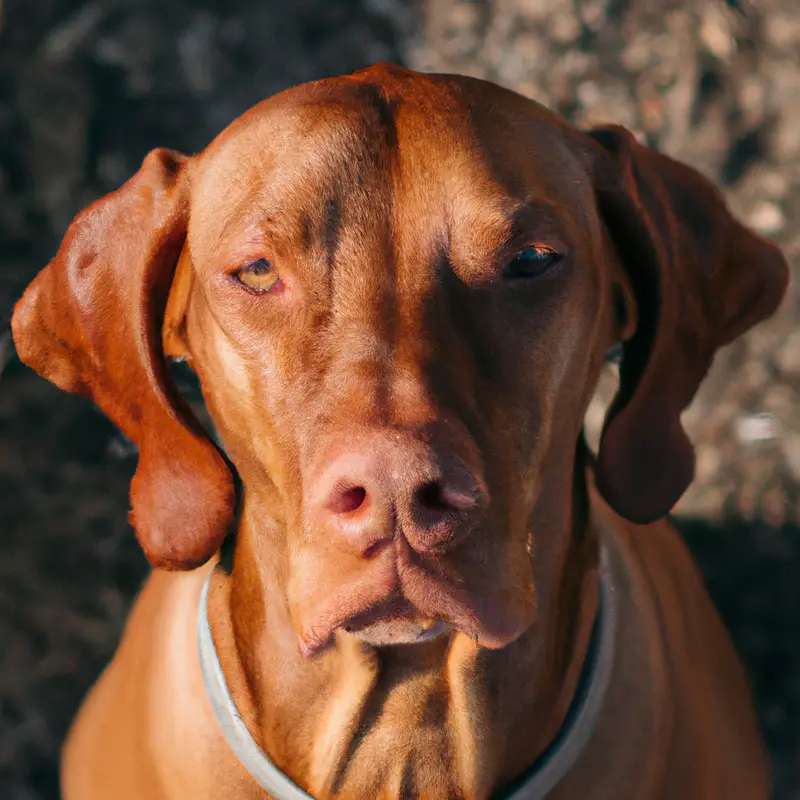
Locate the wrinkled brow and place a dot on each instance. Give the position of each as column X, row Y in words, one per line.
column 488, row 234
column 536, row 217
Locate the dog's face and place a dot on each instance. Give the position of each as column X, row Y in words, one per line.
column 397, row 291
column 399, row 306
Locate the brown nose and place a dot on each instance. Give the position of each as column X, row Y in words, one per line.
column 391, row 486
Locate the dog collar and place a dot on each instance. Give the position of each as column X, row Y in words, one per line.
column 536, row 783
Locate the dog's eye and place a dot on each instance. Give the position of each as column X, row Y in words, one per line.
column 532, row 262
column 259, row 276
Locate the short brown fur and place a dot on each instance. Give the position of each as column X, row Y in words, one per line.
column 400, row 350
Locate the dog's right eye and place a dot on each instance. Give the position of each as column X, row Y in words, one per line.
column 532, row 262
column 259, row 277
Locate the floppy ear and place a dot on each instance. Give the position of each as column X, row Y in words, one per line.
column 700, row 279
column 91, row 323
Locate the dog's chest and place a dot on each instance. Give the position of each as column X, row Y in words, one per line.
column 402, row 744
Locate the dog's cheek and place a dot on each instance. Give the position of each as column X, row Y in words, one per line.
column 558, row 368
column 254, row 404
column 224, row 381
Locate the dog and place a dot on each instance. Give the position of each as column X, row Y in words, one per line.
column 403, row 573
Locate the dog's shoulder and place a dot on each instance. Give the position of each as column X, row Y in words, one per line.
column 703, row 699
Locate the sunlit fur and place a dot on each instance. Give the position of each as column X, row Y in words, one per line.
column 390, row 204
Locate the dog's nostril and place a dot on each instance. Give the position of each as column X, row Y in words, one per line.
column 348, row 499
column 431, row 496
column 438, row 497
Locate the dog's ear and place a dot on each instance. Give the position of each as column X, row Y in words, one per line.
column 700, row 279
column 91, row 323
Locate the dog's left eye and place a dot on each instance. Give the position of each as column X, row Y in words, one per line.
column 259, row 276
column 532, row 262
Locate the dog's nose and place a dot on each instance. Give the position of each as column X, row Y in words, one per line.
column 366, row 497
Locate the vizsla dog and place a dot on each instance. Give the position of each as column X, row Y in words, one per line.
column 398, row 291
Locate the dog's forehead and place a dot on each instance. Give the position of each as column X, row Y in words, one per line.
column 367, row 134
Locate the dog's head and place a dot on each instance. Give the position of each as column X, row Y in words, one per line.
column 397, row 291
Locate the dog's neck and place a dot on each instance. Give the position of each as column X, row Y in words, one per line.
column 409, row 720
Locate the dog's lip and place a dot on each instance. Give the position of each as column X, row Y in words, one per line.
column 401, row 632
column 493, row 619
column 321, row 637
column 412, row 625
column 395, row 608
column 311, row 647
column 376, row 588
column 399, row 613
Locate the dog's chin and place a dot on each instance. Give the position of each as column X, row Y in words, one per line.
column 382, row 627
column 412, row 605
column 389, row 632
column 386, row 624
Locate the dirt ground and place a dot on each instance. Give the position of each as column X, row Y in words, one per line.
column 86, row 88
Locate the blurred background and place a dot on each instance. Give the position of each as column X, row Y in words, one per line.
column 87, row 87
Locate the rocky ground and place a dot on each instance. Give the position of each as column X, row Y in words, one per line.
column 86, row 88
